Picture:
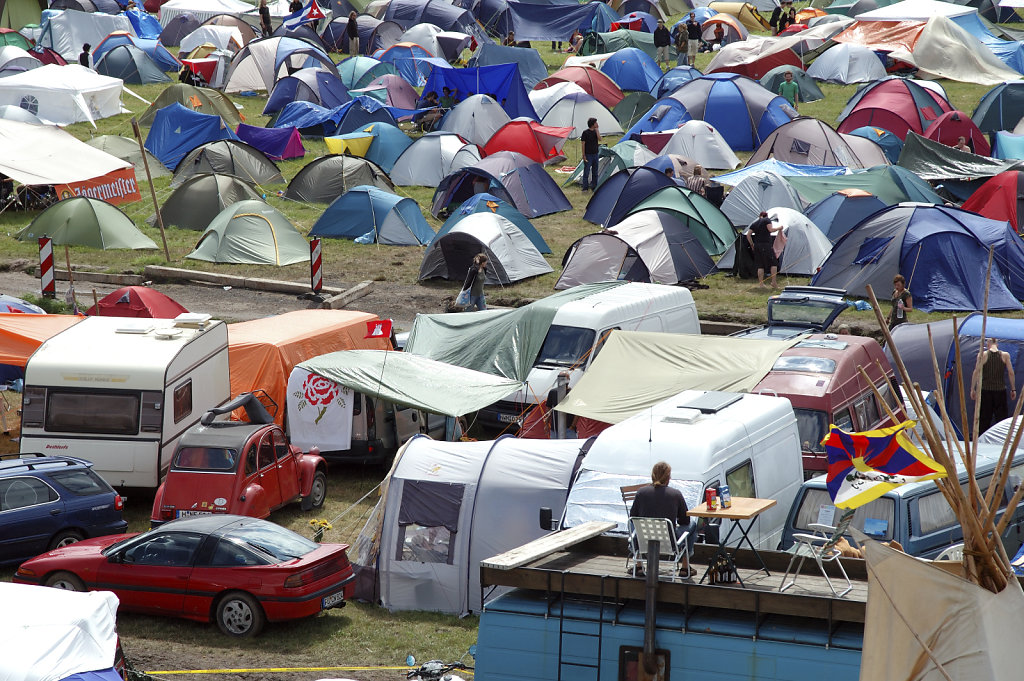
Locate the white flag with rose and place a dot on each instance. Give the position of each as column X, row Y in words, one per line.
column 319, row 412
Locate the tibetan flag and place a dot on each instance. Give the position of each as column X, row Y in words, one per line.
column 864, row 466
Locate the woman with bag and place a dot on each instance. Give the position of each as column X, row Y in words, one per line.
column 472, row 294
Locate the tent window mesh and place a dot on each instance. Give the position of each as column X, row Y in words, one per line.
column 425, row 544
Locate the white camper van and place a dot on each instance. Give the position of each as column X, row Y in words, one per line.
column 580, row 327
column 120, row 392
column 748, row 442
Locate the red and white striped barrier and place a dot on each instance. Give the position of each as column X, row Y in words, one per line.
column 316, row 280
column 46, row 278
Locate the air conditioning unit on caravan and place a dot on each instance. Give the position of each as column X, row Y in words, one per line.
column 121, row 391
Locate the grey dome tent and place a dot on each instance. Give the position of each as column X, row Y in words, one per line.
column 251, row 233
column 131, row 65
column 199, row 200
column 177, row 28
column 760, row 191
column 845, row 63
column 809, row 90
column 431, row 158
column 476, row 118
column 127, row 150
column 511, row 177
column 229, row 157
column 807, row 141
column 574, row 110
column 512, row 255
column 326, row 178
column 648, row 246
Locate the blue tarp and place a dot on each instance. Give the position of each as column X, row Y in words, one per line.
column 557, row 22
column 310, row 85
column 531, row 67
column 779, row 168
column 177, row 130
column 501, row 80
column 489, row 203
column 145, row 25
column 413, row 62
column 1008, row 145
column 312, row 119
column 368, row 215
column 632, row 69
column 938, row 249
column 1009, row 52
column 388, row 143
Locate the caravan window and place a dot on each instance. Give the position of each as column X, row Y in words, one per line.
column 428, row 519
column 82, row 412
column 183, row 400
column 813, row 427
column 741, row 480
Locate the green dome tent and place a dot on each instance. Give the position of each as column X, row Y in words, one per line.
column 201, row 198
column 251, row 233
column 82, row 221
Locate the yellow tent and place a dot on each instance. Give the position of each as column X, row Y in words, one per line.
column 353, row 146
column 745, row 12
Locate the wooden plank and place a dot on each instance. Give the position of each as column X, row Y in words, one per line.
column 546, row 545
column 339, row 301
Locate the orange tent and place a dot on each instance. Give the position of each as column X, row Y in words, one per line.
column 808, row 13
column 21, row 334
column 263, row 352
column 882, row 36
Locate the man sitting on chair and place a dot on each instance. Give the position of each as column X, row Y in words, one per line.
column 658, row 500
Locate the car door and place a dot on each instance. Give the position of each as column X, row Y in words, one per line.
column 152, row 575
column 31, row 512
column 287, row 467
column 268, row 476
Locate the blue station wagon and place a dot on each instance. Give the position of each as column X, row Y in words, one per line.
column 47, row 502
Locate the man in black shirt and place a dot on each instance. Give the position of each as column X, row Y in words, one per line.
column 265, row 24
column 662, row 40
column 83, row 58
column 352, row 31
column 761, row 237
column 658, row 500
column 692, row 38
column 590, row 140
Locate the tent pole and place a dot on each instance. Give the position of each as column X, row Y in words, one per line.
column 71, row 277
column 95, row 302
column 152, row 191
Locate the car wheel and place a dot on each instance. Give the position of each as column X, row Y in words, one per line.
column 65, row 538
column 318, row 490
column 66, row 581
column 239, row 615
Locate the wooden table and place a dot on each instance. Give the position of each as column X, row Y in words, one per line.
column 742, row 509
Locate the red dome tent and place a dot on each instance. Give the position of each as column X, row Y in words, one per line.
column 895, row 104
column 594, row 82
column 1001, row 197
column 542, row 143
column 952, row 125
column 137, row 301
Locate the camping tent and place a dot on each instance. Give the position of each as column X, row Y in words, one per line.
column 732, row 30
column 500, row 80
column 445, row 507
column 21, row 334
column 623, row 190
column 391, row 90
column 806, row 247
column 807, row 141
column 890, row 144
column 703, row 218
column 759, row 192
column 1001, row 108
column 1001, row 198
column 277, row 143
column 672, row 79
column 598, row 85
column 476, row 118
column 542, row 143
column 891, row 184
column 137, row 301
column 809, row 90
column 509, row 176
column 201, row 9
column 201, row 99
column 952, row 125
column 357, row 72
column 178, row 28
column 512, row 256
column 131, row 65
column 231, row 157
column 536, row 21
column 701, row 142
column 247, row 30
column 408, row 13
column 838, row 213
column 895, row 104
column 326, row 178
column 952, row 241
column 251, row 233
column 544, row 98
column 67, row 31
column 438, row 42
column 258, row 65
column 625, row 154
column 847, row 63
column 89, row 222
column 632, row 69
column 14, row 59
column 263, row 352
column 574, row 110
column 412, row 61
column 487, row 203
column 371, row 215
column 431, row 158
column 531, row 67
column 222, row 37
column 383, row 142
column 650, row 246
column 128, row 150
column 62, row 95
column 200, row 198
column 374, row 34
column 16, row 14
column 177, row 130
column 753, row 58
column 748, row 14
column 160, row 55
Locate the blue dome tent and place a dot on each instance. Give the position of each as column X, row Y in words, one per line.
column 619, row 193
column 131, row 65
column 176, row 130
column 308, row 85
column 394, row 220
column 672, row 79
column 388, row 143
column 632, row 69
column 891, row 144
column 838, row 213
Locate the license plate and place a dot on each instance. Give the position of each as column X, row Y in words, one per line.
column 185, row 514
column 333, row 599
column 508, row 418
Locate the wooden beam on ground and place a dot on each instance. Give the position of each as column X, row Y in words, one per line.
column 161, row 273
column 342, row 299
column 546, row 545
column 100, row 277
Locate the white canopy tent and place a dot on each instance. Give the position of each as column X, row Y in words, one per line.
column 916, row 10
column 65, row 33
column 806, row 245
column 203, row 9
column 62, row 95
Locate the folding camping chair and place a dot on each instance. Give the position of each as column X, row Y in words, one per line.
column 628, row 496
column 663, row 531
column 822, row 548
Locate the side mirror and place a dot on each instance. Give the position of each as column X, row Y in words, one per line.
column 545, row 518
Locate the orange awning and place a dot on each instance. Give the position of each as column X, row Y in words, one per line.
column 21, row 334
column 883, row 36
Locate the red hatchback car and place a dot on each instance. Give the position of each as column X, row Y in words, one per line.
column 245, row 468
column 239, row 572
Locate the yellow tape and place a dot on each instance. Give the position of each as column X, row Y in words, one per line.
column 286, row 669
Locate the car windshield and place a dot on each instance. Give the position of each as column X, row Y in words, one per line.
column 565, row 345
column 813, row 426
column 802, row 311
column 205, row 459
column 814, row 365
column 82, row 482
column 273, row 540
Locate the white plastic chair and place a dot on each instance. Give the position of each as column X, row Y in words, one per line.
column 663, row 531
column 822, row 547
column 954, row 552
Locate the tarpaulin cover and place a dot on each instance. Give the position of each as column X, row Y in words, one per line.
column 638, row 369
column 932, row 160
column 501, row 80
column 944, row 50
column 1010, row 52
column 21, row 334
column 36, row 154
column 176, row 130
column 891, row 184
column 499, row 342
column 531, row 67
column 915, row 10
column 277, row 143
column 884, row 36
column 408, row 380
column 779, row 168
column 533, row 21
column 263, row 352
column 408, row 13
column 51, row 634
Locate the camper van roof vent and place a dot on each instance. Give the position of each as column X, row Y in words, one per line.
column 711, row 402
column 192, row 320
column 135, row 326
column 683, row 416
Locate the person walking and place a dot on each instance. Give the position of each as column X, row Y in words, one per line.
column 474, row 283
column 760, row 235
column 265, row 24
column 902, row 302
column 590, row 141
column 790, row 91
column 994, row 366
column 662, row 41
column 352, row 31
column 692, row 38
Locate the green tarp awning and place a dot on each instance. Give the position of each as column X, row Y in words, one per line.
column 637, row 370
column 411, row 381
column 891, row 184
column 932, row 160
column 501, row 342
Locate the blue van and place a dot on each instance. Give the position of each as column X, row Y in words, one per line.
column 916, row 515
column 47, row 502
